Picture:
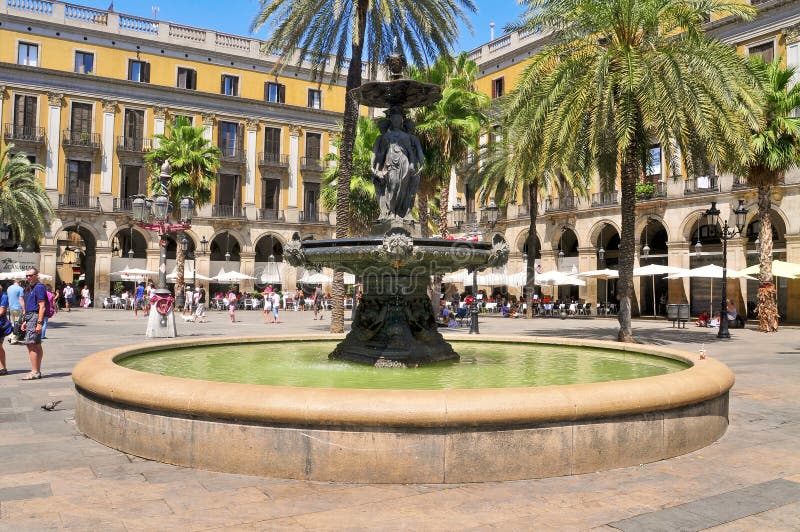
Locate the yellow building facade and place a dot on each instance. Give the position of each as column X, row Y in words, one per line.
column 670, row 202
column 84, row 92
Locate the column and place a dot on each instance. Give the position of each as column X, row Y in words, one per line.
column 2, row 99
column 294, row 160
column 678, row 255
column 792, row 285
column 247, row 266
column 549, row 263
column 48, row 259
column 208, row 126
column 102, row 278
column 159, row 123
column 251, row 127
column 55, row 102
column 737, row 261
column 452, row 191
column 587, row 261
column 636, row 308
column 107, row 157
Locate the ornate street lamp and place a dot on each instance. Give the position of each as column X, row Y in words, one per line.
column 646, row 248
column 492, row 213
column 5, row 230
column 130, row 250
column 459, row 214
column 740, row 217
column 601, row 253
column 153, row 214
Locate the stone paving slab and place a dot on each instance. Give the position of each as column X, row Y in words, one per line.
column 54, row 478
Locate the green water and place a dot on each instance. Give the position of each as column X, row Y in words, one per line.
column 482, row 365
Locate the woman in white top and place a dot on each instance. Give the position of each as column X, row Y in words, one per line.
column 86, row 297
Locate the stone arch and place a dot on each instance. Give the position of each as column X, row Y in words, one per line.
column 642, row 221
column 219, row 244
column 263, row 248
column 142, row 240
column 687, row 227
column 522, row 241
column 597, row 229
column 752, row 215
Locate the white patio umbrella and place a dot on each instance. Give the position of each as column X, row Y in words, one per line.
column 710, row 271
column 461, row 276
column 656, row 269
column 557, row 278
column 604, row 274
column 779, row 269
column 187, row 275
column 492, row 279
column 134, row 271
column 312, row 277
column 230, row 276
column 20, row 274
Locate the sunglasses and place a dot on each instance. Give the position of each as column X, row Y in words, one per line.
column 31, row 274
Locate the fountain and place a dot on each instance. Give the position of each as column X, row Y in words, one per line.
column 371, row 430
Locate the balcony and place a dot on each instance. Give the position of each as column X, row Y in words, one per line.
column 702, row 184
column 311, row 216
column 270, row 215
column 565, row 203
column 311, row 164
column 24, row 136
column 272, row 160
column 123, row 205
column 228, row 211
column 232, row 154
column 650, row 191
column 134, row 145
column 605, row 199
column 81, row 142
column 78, row 202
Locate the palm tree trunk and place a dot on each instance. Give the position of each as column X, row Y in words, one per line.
column 350, row 123
column 630, row 172
column 530, row 276
column 444, row 198
column 767, row 306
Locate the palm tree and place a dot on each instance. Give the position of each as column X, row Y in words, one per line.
column 363, row 203
column 194, row 161
column 24, row 203
column 619, row 75
column 449, row 129
column 776, row 150
column 315, row 30
column 501, row 172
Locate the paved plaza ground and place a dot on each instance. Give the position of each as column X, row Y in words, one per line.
column 52, row 477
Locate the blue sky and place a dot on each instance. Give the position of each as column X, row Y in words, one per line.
column 234, row 16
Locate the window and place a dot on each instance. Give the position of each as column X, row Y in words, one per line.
column 79, row 177
column 84, row 62
column 230, row 139
column 229, row 85
column 133, row 181
column 275, row 92
column 24, row 116
column 272, row 143
column 139, row 71
column 28, row 54
column 134, row 129
column 185, row 118
column 313, row 142
column 187, row 78
column 498, row 87
column 311, row 202
column 315, row 98
column 654, row 163
column 272, row 194
column 228, row 191
column 81, row 118
column 765, row 51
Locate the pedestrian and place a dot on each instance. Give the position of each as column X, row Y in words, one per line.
column 6, row 327
column 36, row 309
column 232, row 306
column 276, row 304
column 151, row 291
column 318, row 302
column 138, row 299
column 86, row 296
column 16, row 307
column 52, row 309
column 200, row 313
column 267, row 312
column 69, row 296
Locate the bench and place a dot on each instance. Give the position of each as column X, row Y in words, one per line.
column 678, row 313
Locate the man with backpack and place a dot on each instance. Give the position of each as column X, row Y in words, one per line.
column 36, row 304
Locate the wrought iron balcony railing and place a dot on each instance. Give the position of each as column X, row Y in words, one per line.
column 270, row 215
column 17, row 133
column 232, row 154
column 311, row 216
column 603, row 199
column 653, row 191
column 131, row 144
column 78, row 201
column 701, row 185
column 81, row 139
column 227, row 211
column 311, row 164
column 565, row 203
column 273, row 159
column 123, row 205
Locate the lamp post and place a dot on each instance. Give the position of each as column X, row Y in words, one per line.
column 712, row 215
column 153, row 214
column 492, row 212
column 459, row 214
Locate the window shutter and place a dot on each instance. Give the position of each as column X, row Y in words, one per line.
column 266, row 91
column 281, row 93
column 222, row 84
column 142, row 180
column 146, row 72
column 130, row 69
column 191, row 79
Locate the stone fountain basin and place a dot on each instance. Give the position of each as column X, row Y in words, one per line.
column 402, row 436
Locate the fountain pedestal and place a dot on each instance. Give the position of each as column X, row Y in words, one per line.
column 395, row 320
